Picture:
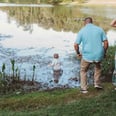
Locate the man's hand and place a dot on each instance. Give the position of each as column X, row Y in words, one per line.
column 79, row 56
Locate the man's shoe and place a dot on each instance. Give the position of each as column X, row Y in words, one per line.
column 84, row 91
column 98, row 87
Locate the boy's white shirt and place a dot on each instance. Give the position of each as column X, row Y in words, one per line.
column 56, row 64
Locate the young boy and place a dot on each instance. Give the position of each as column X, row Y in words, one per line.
column 57, row 67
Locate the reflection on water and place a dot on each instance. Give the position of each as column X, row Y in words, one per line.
column 22, row 1
column 108, row 11
column 24, row 5
column 31, row 35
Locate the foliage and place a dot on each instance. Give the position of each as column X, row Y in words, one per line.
column 109, row 62
column 34, row 67
column 3, row 70
column 41, row 1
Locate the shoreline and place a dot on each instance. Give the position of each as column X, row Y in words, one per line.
column 101, row 3
column 93, row 3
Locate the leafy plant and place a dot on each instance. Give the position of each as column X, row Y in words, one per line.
column 3, row 70
column 13, row 67
column 33, row 73
column 109, row 62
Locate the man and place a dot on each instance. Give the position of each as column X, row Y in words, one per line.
column 94, row 47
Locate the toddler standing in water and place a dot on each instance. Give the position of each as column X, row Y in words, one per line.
column 57, row 67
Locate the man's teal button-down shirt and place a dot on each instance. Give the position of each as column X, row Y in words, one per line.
column 91, row 37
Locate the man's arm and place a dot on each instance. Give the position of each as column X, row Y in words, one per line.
column 76, row 47
column 105, row 46
column 113, row 23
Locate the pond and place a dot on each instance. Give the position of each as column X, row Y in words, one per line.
column 31, row 33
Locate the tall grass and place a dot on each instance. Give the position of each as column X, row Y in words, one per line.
column 13, row 82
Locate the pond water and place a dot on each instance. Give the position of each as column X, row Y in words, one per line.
column 31, row 33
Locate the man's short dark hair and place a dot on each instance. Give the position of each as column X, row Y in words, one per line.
column 88, row 19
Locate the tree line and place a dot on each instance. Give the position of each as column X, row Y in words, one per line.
column 41, row 1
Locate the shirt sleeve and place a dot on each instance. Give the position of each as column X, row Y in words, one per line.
column 78, row 38
column 104, row 37
column 53, row 62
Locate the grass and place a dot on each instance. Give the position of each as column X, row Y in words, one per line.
column 61, row 102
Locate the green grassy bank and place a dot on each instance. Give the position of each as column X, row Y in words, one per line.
column 61, row 102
